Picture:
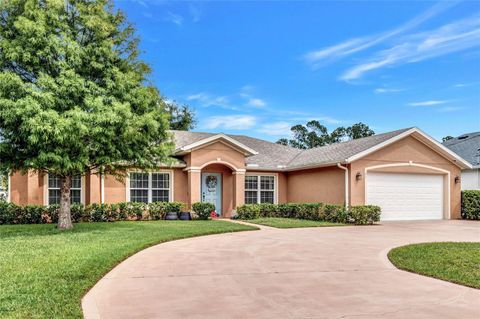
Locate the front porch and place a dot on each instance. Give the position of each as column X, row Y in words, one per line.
column 219, row 183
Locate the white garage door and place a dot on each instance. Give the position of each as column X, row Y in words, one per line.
column 406, row 196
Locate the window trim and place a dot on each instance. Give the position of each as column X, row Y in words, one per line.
column 275, row 185
column 46, row 198
column 162, row 171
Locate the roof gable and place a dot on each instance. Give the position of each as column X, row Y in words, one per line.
column 207, row 140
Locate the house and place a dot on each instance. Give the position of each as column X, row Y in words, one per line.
column 406, row 172
column 468, row 147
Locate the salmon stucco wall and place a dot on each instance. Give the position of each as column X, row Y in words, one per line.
column 27, row 189
column 115, row 190
column 215, row 152
column 403, row 151
column 180, row 185
column 326, row 185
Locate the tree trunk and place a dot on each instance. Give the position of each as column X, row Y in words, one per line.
column 64, row 216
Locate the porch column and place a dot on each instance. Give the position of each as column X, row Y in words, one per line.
column 194, row 179
column 238, row 188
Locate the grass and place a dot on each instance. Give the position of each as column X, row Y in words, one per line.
column 451, row 261
column 290, row 222
column 45, row 272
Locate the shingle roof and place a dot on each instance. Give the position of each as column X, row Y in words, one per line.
column 467, row 146
column 339, row 152
column 274, row 156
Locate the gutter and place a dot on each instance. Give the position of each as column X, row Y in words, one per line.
column 346, row 183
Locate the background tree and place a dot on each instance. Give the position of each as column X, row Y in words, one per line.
column 447, row 138
column 182, row 118
column 314, row 134
column 74, row 96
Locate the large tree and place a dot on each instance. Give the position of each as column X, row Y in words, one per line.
column 74, row 96
column 314, row 134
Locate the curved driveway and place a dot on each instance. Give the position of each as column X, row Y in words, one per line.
column 337, row 272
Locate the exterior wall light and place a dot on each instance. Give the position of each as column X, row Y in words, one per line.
column 457, row 179
column 358, row 176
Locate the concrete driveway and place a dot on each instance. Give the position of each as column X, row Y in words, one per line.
column 338, row 272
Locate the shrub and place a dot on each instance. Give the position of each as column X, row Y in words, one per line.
column 50, row 214
column 335, row 214
column 8, row 213
column 248, row 211
column 203, row 210
column 158, row 210
column 364, row 214
column 30, row 214
column 359, row 215
column 35, row 214
column 471, row 204
column 78, row 213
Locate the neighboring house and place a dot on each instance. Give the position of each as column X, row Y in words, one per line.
column 406, row 172
column 468, row 147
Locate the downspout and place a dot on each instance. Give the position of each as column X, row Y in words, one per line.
column 346, row 184
column 102, row 188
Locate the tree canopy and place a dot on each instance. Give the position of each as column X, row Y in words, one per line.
column 74, row 95
column 314, row 134
column 182, row 118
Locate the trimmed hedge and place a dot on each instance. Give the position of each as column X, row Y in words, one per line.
column 203, row 210
column 358, row 215
column 36, row 214
column 471, row 204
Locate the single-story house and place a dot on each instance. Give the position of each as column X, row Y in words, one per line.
column 406, row 172
column 468, row 147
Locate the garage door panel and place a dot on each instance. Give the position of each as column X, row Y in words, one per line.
column 406, row 196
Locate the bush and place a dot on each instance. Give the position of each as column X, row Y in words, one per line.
column 335, row 214
column 359, row 215
column 30, row 214
column 8, row 213
column 364, row 214
column 471, row 204
column 203, row 210
column 158, row 210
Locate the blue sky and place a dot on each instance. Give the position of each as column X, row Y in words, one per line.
column 258, row 67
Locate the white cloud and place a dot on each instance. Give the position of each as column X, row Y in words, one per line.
column 255, row 102
column 461, row 85
column 448, row 109
column 428, row 103
column 233, row 122
column 276, row 129
column 449, row 38
column 387, row 90
column 354, row 45
column 206, row 99
column 174, row 18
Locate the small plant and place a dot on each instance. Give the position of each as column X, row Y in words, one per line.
column 203, row 210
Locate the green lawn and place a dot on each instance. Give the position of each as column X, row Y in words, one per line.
column 290, row 222
column 44, row 272
column 455, row 262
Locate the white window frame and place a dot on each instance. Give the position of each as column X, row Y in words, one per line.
column 46, row 197
column 170, row 189
column 259, row 190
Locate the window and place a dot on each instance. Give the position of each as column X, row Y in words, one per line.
column 54, row 189
column 259, row 189
column 149, row 187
